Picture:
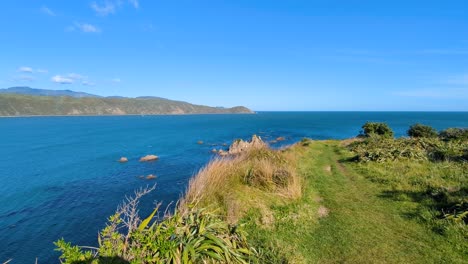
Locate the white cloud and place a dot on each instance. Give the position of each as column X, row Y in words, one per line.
column 26, row 69
column 72, row 78
column 62, row 79
column 42, row 71
column 84, row 27
column 105, row 9
column 116, row 80
column 47, row 11
column 111, row 6
column 76, row 76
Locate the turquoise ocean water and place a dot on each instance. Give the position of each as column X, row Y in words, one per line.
column 59, row 176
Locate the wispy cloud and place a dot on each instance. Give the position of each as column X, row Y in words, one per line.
column 116, row 80
column 76, row 76
column 47, row 11
column 84, row 27
column 87, row 83
column 109, row 7
column 135, row 3
column 62, row 79
column 72, row 78
column 104, row 9
column 25, row 69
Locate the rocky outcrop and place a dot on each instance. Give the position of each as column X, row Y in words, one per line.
column 149, row 158
column 239, row 146
column 123, row 159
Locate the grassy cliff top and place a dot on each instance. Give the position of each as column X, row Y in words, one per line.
column 315, row 202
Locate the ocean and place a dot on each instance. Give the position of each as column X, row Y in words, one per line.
column 60, row 176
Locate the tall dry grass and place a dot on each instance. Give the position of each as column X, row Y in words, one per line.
column 235, row 184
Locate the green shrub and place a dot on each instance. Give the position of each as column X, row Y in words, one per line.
column 195, row 236
column 454, row 134
column 370, row 129
column 418, row 149
column 421, row 131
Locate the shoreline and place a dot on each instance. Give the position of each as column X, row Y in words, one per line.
column 107, row 115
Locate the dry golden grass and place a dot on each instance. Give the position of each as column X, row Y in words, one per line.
column 254, row 179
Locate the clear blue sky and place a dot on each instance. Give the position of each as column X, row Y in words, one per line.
column 266, row 55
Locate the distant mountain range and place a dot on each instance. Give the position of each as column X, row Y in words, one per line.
column 44, row 92
column 26, row 101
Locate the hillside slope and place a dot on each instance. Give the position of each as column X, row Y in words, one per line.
column 27, row 105
column 44, row 92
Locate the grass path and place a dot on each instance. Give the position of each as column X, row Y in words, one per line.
column 358, row 226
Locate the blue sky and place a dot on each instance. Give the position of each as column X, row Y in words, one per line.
column 266, row 55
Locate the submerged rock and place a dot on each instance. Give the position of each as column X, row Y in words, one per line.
column 123, row 159
column 280, row 139
column 199, row 142
column 149, row 158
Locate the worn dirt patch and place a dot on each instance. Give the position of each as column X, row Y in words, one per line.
column 323, row 211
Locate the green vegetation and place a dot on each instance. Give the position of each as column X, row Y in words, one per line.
column 20, row 105
column 404, row 211
column 421, row 131
column 410, row 149
column 374, row 199
column 454, row 134
column 196, row 236
column 370, row 129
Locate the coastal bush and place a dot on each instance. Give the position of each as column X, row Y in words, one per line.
column 421, row 131
column 454, row 134
column 416, row 149
column 370, row 129
column 195, row 236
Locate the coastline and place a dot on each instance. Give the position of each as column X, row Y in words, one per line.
column 186, row 114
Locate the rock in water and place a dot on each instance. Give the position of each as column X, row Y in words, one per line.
column 149, row 158
column 123, row 159
column 151, row 177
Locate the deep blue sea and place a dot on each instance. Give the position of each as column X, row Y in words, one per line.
column 60, row 176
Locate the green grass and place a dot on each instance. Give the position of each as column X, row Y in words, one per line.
column 369, row 221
